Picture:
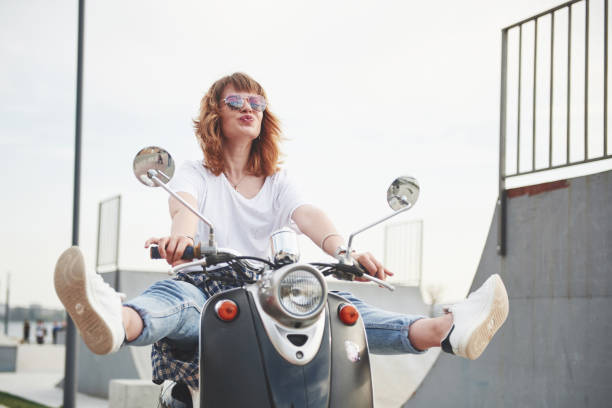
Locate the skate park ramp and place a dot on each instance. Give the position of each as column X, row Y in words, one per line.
column 554, row 349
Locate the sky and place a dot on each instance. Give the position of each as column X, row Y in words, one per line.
column 366, row 91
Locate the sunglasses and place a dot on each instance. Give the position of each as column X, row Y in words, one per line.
column 236, row 102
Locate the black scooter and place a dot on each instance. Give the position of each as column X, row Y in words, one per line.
column 279, row 339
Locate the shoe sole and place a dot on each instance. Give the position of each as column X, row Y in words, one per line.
column 498, row 312
column 71, row 288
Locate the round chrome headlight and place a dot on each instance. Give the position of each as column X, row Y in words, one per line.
column 294, row 295
column 300, row 293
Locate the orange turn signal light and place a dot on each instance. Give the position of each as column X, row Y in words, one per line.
column 226, row 310
column 348, row 314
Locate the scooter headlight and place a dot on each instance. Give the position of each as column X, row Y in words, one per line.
column 301, row 293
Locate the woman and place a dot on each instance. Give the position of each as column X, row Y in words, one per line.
column 240, row 188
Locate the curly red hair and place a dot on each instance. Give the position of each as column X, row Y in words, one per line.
column 264, row 159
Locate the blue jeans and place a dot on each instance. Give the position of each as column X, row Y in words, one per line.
column 172, row 308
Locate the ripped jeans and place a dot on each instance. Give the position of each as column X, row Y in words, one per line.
column 171, row 309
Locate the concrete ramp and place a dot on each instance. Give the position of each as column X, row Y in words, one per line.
column 555, row 348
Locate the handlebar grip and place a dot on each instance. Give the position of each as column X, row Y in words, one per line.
column 187, row 254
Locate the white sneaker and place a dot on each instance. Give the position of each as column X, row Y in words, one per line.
column 174, row 395
column 92, row 304
column 476, row 319
column 178, row 395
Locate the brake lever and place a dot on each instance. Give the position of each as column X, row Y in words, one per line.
column 379, row 281
column 371, row 278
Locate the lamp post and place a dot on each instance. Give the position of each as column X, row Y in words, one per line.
column 70, row 384
column 7, row 308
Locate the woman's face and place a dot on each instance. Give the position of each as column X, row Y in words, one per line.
column 239, row 123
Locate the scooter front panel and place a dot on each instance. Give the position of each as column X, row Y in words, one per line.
column 295, row 386
column 231, row 366
column 239, row 366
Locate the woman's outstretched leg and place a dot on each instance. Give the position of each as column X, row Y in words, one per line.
column 92, row 304
column 429, row 332
column 469, row 326
column 465, row 330
column 167, row 309
column 132, row 322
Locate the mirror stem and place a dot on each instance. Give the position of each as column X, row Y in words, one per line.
column 164, row 175
column 350, row 241
column 211, row 238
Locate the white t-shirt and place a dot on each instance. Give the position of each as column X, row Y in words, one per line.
column 240, row 223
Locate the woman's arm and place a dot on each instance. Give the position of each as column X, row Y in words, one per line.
column 317, row 226
column 182, row 232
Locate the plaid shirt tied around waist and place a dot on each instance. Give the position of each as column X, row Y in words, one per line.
column 170, row 363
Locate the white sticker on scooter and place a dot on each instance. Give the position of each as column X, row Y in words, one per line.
column 352, row 351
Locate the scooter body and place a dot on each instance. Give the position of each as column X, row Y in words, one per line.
column 240, row 366
column 280, row 339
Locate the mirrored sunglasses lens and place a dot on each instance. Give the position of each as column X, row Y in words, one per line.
column 234, row 101
column 258, row 103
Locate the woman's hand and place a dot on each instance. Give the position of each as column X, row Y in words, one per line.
column 318, row 227
column 171, row 248
column 373, row 266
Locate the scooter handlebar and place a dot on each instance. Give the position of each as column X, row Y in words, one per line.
column 187, row 254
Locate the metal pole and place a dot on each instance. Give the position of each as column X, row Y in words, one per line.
column 605, row 112
column 586, row 80
column 118, row 277
column 518, row 108
column 7, row 309
column 569, row 79
column 533, row 108
column 98, row 241
column 501, row 199
column 551, row 90
column 70, row 378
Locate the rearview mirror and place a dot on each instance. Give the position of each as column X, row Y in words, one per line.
column 153, row 158
column 404, row 191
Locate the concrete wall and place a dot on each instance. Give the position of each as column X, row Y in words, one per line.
column 40, row 358
column 8, row 357
column 554, row 349
column 30, row 358
column 133, row 394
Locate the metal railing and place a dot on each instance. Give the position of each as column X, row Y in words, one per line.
column 553, row 44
